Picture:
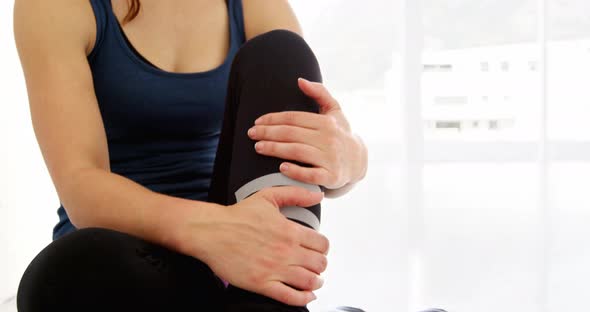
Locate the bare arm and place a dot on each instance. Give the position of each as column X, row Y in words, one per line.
column 53, row 39
column 261, row 16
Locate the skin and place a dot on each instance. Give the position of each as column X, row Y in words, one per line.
column 250, row 244
column 323, row 140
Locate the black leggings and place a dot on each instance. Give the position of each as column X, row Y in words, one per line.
column 96, row 269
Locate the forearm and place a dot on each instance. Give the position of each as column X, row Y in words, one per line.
column 98, row 198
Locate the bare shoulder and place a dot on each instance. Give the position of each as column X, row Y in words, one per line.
column 261, row 16
column 52, row 39
column 55, row 24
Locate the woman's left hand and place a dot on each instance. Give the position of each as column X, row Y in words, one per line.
column 324, row 140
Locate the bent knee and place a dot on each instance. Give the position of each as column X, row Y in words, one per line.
column 282, row 52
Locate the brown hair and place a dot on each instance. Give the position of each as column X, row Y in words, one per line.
column 134, row 7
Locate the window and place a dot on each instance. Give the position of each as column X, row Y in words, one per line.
column 448, row 125
column 438, row 67
column 469, row 168
column 479, row 185
column 493, row 124
column 450, row 100
column 505, row 66
column 484, row 66
column 533, row 65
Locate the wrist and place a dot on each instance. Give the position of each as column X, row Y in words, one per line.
column 182, row 225
column 362, row 156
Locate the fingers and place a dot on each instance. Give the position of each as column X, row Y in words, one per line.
column 314, row 240
column 311, row 260
column 285, row 294
column 302, row 279
column 293, row 118
column 292, row 151
column 317, row 176
column 284, row 133
column 319, row 93
column 282, row 196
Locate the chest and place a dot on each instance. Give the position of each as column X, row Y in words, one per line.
column 180, row 96
column 182, row 36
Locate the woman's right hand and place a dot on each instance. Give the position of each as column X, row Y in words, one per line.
column 254, row 247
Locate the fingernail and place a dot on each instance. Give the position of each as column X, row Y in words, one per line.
column 284, row 167
column 313, row 297
column 258, row 121
column 302, row 79
column 252, row 132
column 258, row 146
column 321, row 281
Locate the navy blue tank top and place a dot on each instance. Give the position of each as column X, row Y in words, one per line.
column 162, row 127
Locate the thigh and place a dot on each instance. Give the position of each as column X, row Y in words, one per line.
column 103, row 270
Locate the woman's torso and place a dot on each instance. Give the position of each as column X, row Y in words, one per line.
column 161, row 98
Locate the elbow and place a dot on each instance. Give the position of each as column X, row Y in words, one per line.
column 71, row 189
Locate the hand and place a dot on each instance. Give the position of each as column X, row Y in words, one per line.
column 325, row 141
column 254, row 247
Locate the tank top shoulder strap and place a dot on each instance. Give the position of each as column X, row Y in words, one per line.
column 101, row 9
column 237, row 15
column 100, row 16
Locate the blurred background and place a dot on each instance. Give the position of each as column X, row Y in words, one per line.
column 476, row 114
